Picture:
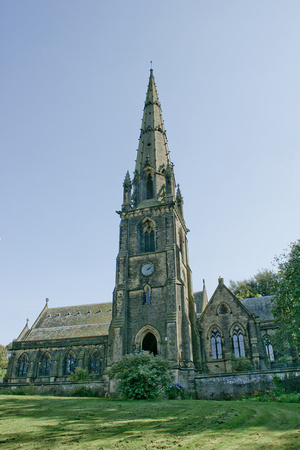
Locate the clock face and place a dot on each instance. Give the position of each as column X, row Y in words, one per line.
column 147, row 269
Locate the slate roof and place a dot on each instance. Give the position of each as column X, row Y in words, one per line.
column 260, row 306
column 71, row 322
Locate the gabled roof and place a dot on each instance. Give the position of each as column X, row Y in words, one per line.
column 218, row 289
column 259, row 306
column 71, row 322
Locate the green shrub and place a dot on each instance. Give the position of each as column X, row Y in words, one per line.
column 276, row 396
column 288, row 385
column 241, row 364
column 141, row 376
column 23, row 390
column 79, row 374
column 175, row 391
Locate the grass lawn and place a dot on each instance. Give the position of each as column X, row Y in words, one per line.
column 33, row 422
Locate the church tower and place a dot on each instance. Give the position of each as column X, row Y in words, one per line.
column 153, row 306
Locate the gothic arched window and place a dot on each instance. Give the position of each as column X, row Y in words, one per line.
column 70, row 363
column 269, row 348
column 149, row 186
column 223, row 309
column 22, row 366
column 149, row 240
column 147, row 237
column 147, row 295
column 45, row 366
column 95, row 363
column 238, row 342
column 216, row 344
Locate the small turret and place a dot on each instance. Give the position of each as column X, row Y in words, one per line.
column 179, row 201
column 170, row 184
column 127, row 192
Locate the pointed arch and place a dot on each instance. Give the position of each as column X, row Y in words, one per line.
column 147, row 294
column 23, row 365
column 149, row 343
column 45, row 365
column 95, row 362
column 147, row 235
column 149, row 186
column 269, row 347
column 238, row 343
column 70, row 363
column 148, row 338
column 215, row 337
column 223, row 308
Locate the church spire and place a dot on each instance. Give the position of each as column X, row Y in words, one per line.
column 153, row 140
column 153, row 158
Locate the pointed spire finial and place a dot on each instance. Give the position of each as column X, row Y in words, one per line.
column 179, row 200
column 127, row 181
column 151, row 65
column 127, row 192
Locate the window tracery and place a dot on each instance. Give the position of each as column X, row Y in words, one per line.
column 238, row 342
column 147, row 237
column 70, row 364
column 216, row 344
column 45, row 366
column 269, row 348
column 95, row 363
column 23, row 365
column 223, row 309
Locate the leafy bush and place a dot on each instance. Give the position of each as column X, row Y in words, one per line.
column 22, row 390
column 79, row 374
column 276, row 396
column 241, row 364
column 3, row 360
column 141, row 376
column 287, row 390
column 175, row 391
column 288, row 385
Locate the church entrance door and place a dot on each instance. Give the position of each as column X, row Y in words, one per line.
column 150, row 343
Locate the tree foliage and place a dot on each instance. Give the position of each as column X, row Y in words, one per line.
column 261, row 284
column 3, row 360
column 141, row 376
column 286, row 303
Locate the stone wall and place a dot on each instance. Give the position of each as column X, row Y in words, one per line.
column 58, row 388
column 218, row 387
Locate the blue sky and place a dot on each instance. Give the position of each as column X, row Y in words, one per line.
column 73, row 81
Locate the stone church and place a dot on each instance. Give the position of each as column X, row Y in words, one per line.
column 154, row 307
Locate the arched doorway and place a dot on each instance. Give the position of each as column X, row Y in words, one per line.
column 150, row 343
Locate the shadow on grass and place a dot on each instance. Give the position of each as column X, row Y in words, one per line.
column 68, row 421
